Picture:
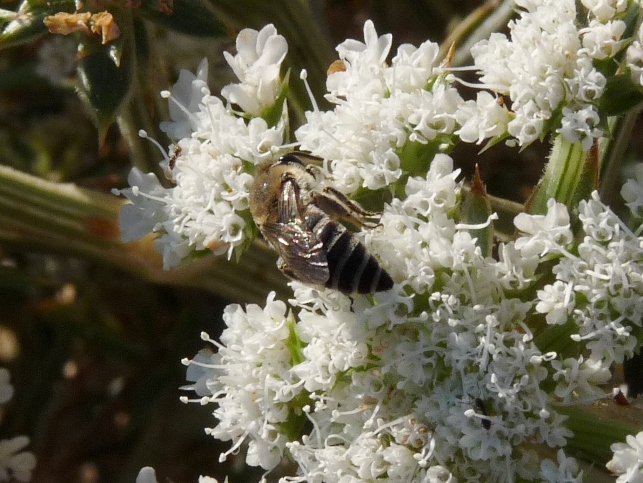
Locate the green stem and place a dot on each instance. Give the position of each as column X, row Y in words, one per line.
column 478, row 25
column 148, row 80
column 611, row 154
column 569, row 177
column 598, row 426
column 62, row 219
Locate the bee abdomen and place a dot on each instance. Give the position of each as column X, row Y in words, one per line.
column 352, row 269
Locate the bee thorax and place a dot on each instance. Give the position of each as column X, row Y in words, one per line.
column 297, row 216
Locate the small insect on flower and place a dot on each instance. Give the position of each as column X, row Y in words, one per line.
column 480, row 406
column 297, row 215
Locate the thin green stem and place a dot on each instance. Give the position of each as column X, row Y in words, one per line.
column 478, row 25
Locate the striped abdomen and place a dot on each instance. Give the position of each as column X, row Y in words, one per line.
column 352, row 269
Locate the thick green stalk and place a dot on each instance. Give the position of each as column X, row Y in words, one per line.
column 62, row 219
column 598, row 426
column 570, row 176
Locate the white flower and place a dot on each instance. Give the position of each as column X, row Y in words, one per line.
column 549, row 233
column 389, row 384
column 393, row 102
column 603, row 40
column 557, row 301
column 14, row 463
column 440, row 377
column 207, row 206
column 580, row 126
column 484, row 118
column 146, row 475
column 250, row 380
column 148, row 211
column 546, row 69
column 634, row 57
column 628, row 460
column 187, row 93
column 632, row 192
column 566, row 471
column 257, row 65
column 209, row 479
column 579, row 377
column 604, row 10
column 587, row 84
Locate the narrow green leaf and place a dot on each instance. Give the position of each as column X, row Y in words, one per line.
column 23, row 29
column 596, row 428
column 28, row 23
column 619, row 96
column 476, row 210
column 275, row 113
column 192, row 17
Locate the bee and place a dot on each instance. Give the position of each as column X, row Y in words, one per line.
column 298, row 216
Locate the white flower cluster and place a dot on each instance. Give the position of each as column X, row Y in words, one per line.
column 388, row 119
column 379, row 109
column 448, row 376
column 598, row 288
column 207, row 205
column 255, row 356
column 635, row 58
column 148, row 475
column 628, row 460
column 444, row 385
column 15, row 464
column 547, row 69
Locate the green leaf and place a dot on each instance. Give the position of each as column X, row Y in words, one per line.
column 28, row 23
column 619, row 96
column 23, row 29
column 476, row 210
column 596, row 428
column 104, row 78
column 191, row 17
column 278, row 111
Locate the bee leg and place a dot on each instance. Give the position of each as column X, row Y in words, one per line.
column 338, row 205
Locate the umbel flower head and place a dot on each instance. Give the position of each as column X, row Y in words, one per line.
column 446, row 383
column 389, row 119
column 452, row 375
column 207, row 206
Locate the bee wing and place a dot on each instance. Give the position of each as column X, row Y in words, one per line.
column 303, row 257
column 303, row 254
